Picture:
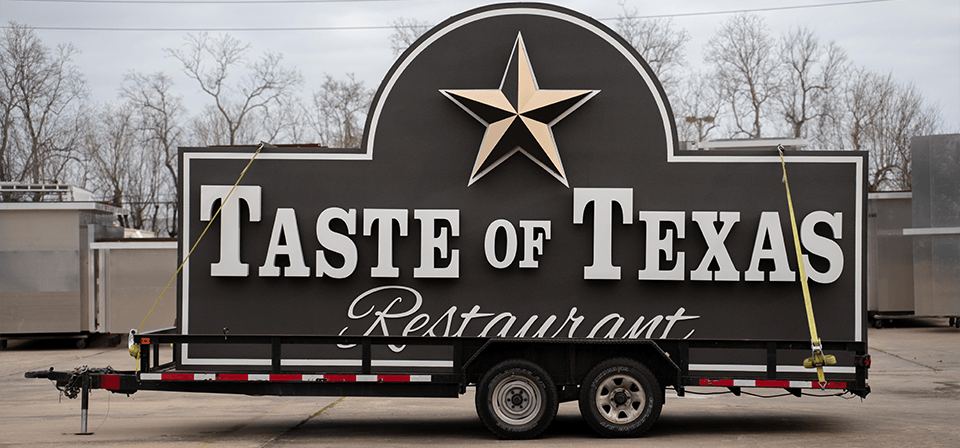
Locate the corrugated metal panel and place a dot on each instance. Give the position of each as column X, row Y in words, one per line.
column 936, row 206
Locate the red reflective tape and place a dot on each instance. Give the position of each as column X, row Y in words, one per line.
column 115, row 380
column 769, row 383
column 286, row 377
column 840, row 385
column 344, row 378
column 232, row 377
column 145, row 341
column 706, row 382
column 177, row 377
column 394, row 378
column 110, row 382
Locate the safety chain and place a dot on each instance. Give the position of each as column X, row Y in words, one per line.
column 72, row 389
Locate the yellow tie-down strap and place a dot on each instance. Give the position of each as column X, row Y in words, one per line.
column 134, row 349
column 818, row 359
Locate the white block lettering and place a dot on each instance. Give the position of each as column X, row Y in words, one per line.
column 229, row 264
column 655, row 245
column 603, row 200
column 431, row 243
column 386, row 218
column 770, row 229
column 533, row 241
column 285, row 224
column 490, row 243
column 716, row 250
column 822, row 246
column 336, row 242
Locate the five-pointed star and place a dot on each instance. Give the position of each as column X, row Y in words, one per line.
column 519, row 117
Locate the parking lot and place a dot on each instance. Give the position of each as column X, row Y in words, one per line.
column 915, row 402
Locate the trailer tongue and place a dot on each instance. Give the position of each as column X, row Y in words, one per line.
column 519, row 218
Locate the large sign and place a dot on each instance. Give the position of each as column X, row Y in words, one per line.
column 519, row 177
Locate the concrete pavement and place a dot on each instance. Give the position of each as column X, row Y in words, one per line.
column 915, row 401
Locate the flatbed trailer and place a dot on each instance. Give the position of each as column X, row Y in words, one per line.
column 546, row 372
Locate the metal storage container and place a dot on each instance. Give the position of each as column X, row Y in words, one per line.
column 46, row 277
column 57, row 280
column 890, row 254
column 936, row 225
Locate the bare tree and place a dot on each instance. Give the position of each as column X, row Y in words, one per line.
column 338, row 111
column 880, row 117
column 285, row 122
column 811, row 75
column 910, row 118
column 405, row 33
column 111, row 152
column 207, row 128
column 9, row 102
column 123, row 171
column 159, row 114
column 742, row 56
column 145, row 198
column 865, row 95
column 299, row 129
column 697, row 108
column 40, row 107
column 211, row 62
column 660, row 44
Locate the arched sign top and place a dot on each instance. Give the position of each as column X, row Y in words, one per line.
column 568, row 51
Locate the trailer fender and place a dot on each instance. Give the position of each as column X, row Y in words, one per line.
column 568, row 361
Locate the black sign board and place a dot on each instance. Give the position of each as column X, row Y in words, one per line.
column 519, row 177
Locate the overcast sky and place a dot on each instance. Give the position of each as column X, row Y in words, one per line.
column 918, row 41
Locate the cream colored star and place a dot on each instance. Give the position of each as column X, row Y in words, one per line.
column 519, row 117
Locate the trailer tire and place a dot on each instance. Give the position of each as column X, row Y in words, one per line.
column 516, row 399
column 620, row 398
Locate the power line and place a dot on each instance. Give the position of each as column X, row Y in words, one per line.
column 148, row 2
column 191, row 2
column 190, row 30
column 378, row 27
column 739, row 11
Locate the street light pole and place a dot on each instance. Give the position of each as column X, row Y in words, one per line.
column 698, row 122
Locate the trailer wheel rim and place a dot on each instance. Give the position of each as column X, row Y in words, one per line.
column 620, row 399
column 516, row 400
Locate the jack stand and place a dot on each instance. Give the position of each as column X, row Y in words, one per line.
column 84, row 404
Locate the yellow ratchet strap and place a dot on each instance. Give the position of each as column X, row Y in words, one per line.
column 135, row 348
column 818, row 359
